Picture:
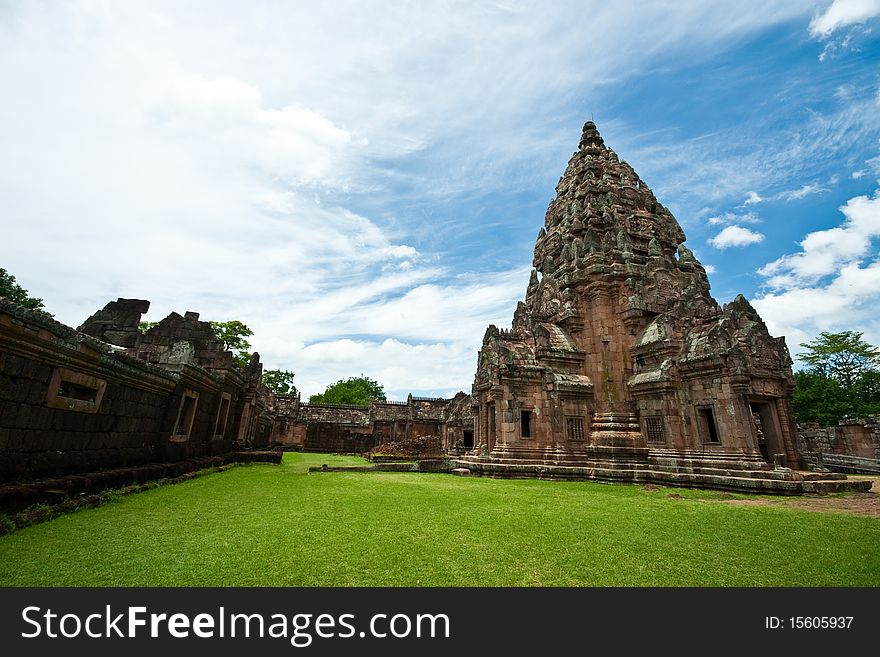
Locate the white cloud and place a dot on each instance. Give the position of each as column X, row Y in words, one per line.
column 715, row 168
column 734, row 218
column 832, row 284
column 824, row 252
column 847, row 302
column 710, row 269
column 224, row 159
column 856, row 175
column 801, row 192
column 753, row 198
column 842, row 13
column 735, row 236
column 442, row 369
column 437, row 329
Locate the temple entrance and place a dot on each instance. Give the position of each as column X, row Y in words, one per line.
column 490, row 435
column 468, row 439
column 767, row 430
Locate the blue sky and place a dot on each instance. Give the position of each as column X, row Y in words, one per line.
column 362, row 182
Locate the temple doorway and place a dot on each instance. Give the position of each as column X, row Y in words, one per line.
column 767, row 430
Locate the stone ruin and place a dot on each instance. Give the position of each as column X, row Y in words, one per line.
column 105, row 405
column 851, row 446
column 358, row 429
column 621, row 366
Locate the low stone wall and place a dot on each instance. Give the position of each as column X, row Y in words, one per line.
column 19, row 496
column 852, row 446
column 338, row 438
column 356, row 429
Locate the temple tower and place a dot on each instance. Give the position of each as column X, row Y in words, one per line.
column 619, row 363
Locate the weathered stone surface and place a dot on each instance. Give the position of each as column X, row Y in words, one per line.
column 357, row 429
column 117, row 323
column 619, row 363
column 852, row 446
column 70, row 402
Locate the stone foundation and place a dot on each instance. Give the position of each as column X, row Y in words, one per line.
column 640, row 466
column 19, row 496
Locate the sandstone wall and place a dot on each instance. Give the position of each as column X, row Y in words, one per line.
column 858, row 438
column 356, row 429
column 72, row 403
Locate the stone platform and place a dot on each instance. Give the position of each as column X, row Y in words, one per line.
column 641, row 465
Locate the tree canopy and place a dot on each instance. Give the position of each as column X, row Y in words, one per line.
column 356, row 391
column 844, row 357
column 842, row 379
column 279, row 381
column 17, row 294
column 234, row 335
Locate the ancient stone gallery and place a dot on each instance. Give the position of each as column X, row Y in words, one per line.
column 107, row 406
column 620, row 365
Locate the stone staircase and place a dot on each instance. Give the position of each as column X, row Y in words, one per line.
column 731, row 472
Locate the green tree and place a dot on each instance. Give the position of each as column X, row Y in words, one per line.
column 234, row 335
column 841, row 381
column 818, row 398
column 279, row 381
column 17, row 294
column 356, row 390
column 145, row 326
column 844, row 357
column 867, row 394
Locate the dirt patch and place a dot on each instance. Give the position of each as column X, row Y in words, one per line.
column 859, row 504
column 650, row 488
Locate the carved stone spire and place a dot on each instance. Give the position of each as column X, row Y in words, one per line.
column 590, row 138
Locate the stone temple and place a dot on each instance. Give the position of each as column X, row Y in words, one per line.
column 620, row 365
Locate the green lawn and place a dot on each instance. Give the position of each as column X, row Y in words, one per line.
column 276, row 525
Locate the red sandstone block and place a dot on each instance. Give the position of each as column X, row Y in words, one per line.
column 22, row 417
column 57, row 420
column 14, row 441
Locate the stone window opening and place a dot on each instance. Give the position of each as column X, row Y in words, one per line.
column 223, row 416
column 574, row 428
column 525, row 425
column 78, row 392
column 708, row 428
column 186, row 414
column 74, row 391
column 654, row 429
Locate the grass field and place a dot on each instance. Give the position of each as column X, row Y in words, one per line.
column 268, row 525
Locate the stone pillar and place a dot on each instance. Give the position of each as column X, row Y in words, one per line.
column 616, row 430
column 784, row 416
